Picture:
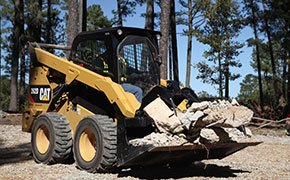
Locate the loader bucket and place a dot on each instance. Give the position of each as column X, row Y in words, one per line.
column 184, row 154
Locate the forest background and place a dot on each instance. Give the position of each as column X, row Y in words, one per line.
column 225, row 48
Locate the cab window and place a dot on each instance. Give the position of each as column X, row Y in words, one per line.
column 136, row 65
column 91, row 54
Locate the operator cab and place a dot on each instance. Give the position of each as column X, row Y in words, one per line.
column 127, row 55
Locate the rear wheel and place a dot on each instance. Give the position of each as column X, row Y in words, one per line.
column 51, row 138
column 95, row 143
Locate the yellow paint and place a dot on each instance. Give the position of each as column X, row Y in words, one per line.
column 37, row 76
column 44, row 98
column 42, row 139
column 87, row 145
column 182, row 105
column 28, row 118
column 163, row 83
column 74, row 116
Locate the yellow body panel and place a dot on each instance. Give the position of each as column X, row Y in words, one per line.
column 163, row 82
column 74, row 115
column 37, row 76
column 182, row 105
column 126, row 102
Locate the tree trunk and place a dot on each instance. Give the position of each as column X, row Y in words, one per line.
column 174, row 41
column 15, row 56
column 120, row 19
column 288, row 85
column 149, row 21
column 189, row 45
column 288, row 61
column 22, row 85
column 48, row 23
column 0, row 62
column 284, row 74
column 82, row 15
column 273, row 64
column 72, row 27
column 165, row 24
column 38, row 24
column 227, row 64
column 170, row 58
column 254, row 25
column 220, row 80
column 22, row 59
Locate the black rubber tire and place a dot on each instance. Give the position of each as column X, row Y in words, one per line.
column 288, row 127
column 58, row 135
column 104, row 132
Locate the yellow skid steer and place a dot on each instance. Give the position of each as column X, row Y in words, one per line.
column 78, row 106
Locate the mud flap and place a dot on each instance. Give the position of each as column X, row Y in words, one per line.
column 143, row 156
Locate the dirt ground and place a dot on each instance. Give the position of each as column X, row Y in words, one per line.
column 268, row 160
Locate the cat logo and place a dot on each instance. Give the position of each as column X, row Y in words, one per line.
column 40, row 94
column 44, row 94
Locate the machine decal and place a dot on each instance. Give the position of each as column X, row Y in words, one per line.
column 40, row 94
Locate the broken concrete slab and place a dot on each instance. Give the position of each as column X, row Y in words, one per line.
column 191, row 118
column 222, row 113
column 198, row 106
column 159, row 139
column 208, row 136
column 235, row 102
column 163, row 117
column 204, row 122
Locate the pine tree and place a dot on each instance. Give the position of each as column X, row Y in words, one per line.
column 72, row 21
column 194, row 12
column 252, row 9
column 249, row 92
column 149, row 21
column 1, row 86
column 280, row 32
column 22, row 58
column 125, row 8
column 96, row 18
column 34, row 20
column 18, row 4
column 164, row 28
column 267, row 29
column 174, row 41
column 223, row 25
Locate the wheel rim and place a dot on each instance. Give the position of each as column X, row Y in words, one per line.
column 87, row 145
column 42, row 139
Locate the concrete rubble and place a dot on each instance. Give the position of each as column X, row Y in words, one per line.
column 204, row 122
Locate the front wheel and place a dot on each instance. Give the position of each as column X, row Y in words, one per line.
column 51, row 138
column 95, row 143
column 288, row 127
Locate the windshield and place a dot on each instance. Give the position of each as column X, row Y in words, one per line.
column 136, row 64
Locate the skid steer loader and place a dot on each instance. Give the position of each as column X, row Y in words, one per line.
column 78, row 107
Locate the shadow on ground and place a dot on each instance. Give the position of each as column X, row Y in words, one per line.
column 15, row 154
column 196, row 170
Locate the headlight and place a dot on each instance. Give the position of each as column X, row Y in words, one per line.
column 119, row 32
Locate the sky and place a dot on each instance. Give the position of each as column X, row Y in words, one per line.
column 197, row 50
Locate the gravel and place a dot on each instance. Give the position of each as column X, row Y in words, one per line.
column 268, row 160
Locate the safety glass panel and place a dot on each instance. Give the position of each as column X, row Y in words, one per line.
column 90, row 52
column 136, row 57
